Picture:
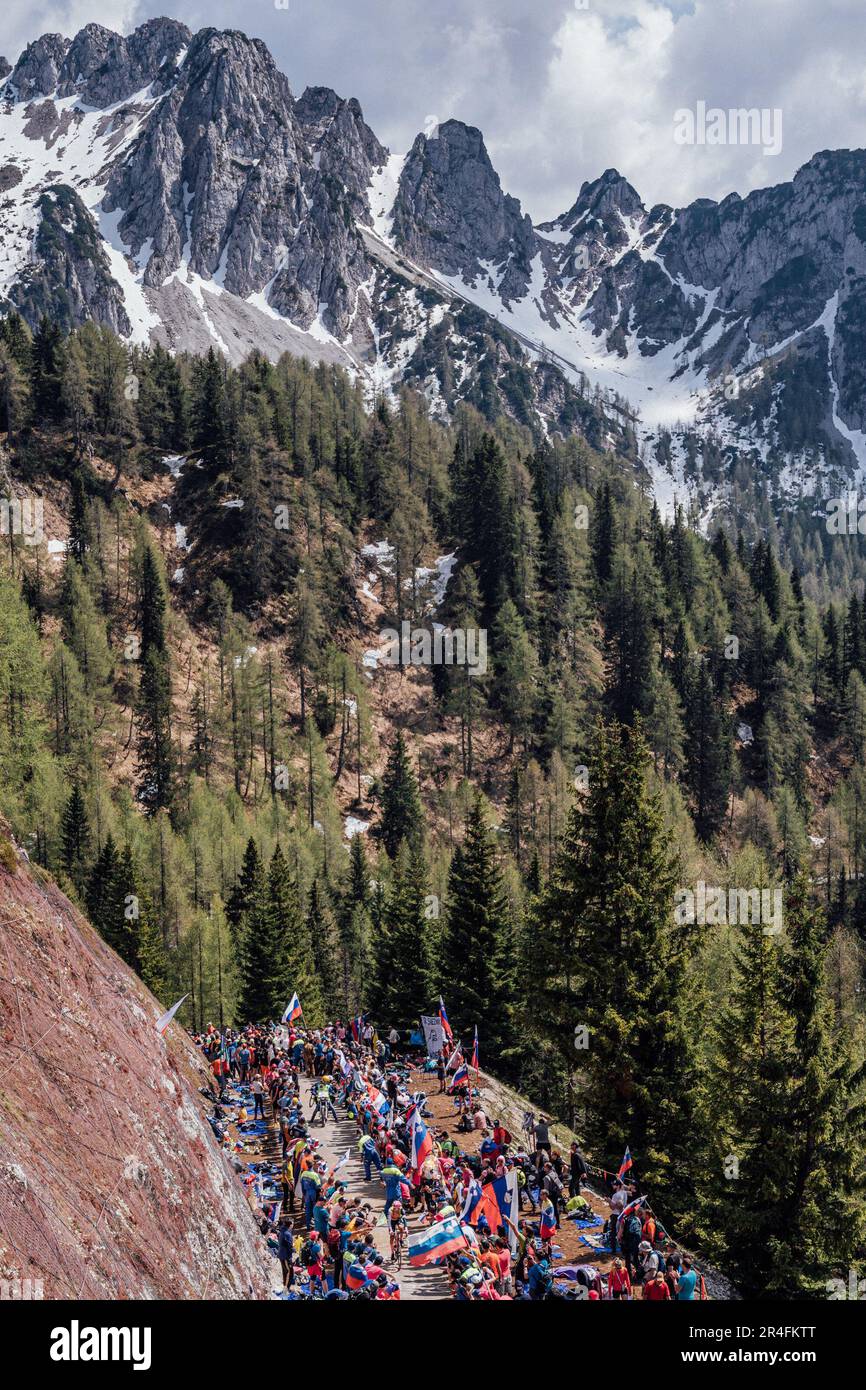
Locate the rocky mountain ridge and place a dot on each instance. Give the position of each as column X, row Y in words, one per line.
column 171, row 186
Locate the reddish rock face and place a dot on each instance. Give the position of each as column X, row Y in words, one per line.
column 111, row 1182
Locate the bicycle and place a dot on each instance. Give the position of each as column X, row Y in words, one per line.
column 398, row 1240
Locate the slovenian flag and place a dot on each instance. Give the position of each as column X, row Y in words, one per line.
column 494, row 1201
column 357, row 1027
column 444, row 1238
column 422, row 1143
column 443, row 1019
column 475, row 1051
column 626, row 1163
column 547, row 1220
column 460, row 1077
column 293, row 1010
column 470, row 1205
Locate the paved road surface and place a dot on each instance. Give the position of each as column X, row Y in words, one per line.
column 335, row 1139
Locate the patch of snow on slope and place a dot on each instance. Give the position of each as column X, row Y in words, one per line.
column 439, row 576
column 82, row 144
column 856, row 438
column 85, row 139
column 140, row 315
column 382, row 194
column 382, row 553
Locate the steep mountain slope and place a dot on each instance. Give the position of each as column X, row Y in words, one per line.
column 111, row 1183
column 171, row 186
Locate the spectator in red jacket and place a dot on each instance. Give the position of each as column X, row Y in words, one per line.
column 656, row 1290
column 618, row 1281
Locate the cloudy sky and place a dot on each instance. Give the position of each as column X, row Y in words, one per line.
column 562, row 89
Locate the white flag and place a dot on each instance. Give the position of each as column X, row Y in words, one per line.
column 162, row 1023
column 513, row 1192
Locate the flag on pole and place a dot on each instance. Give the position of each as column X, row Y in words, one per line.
column 475, row 1051
column 626, row 1163
column 380, row 1103
column 443, row 1019
column 460, row 1078
column 473, row 1197
column 293, row 1010
column 494, row 1201
column 456, row 1055
column 439, row 1240
column 422, row 1143
column 627, row 1211
column 163, row 1022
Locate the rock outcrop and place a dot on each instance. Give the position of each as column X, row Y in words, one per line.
column 112, row 1185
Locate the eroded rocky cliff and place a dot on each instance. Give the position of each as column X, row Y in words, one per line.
column 111, row 1183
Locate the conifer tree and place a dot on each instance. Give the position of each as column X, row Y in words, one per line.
column 153, row 962
column 753, row 1080
column 320, row 933
column 129, row 927
column 155, row 746
column 75, row 834
column 13, row 394
column 307, row 638
column 824, row 1220
column 245, row 890
column 151, row 603
column 266, row 929
column 288, row 941
column 209, row 425
column 402, row 817
column 603, row 534
column 604, row 953
column 400, row 989
column 98, row 895
column 514, row 672
column 791, row 1096
column 46, row 369
column 353, row 926
column 708, row 752
column 477, row 947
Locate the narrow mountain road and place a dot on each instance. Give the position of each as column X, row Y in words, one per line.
column 335, row 1139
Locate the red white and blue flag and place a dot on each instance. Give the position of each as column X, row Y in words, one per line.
column 626, row 1163
column 422, row 1143
column 627, row 1211
column 470, row 1204
column 475, row 1051
column 293, row 1010
column 494, row 1201
column 443, row 1238
column 443, row 1019
column 460, row 1077
column 380, row 1103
